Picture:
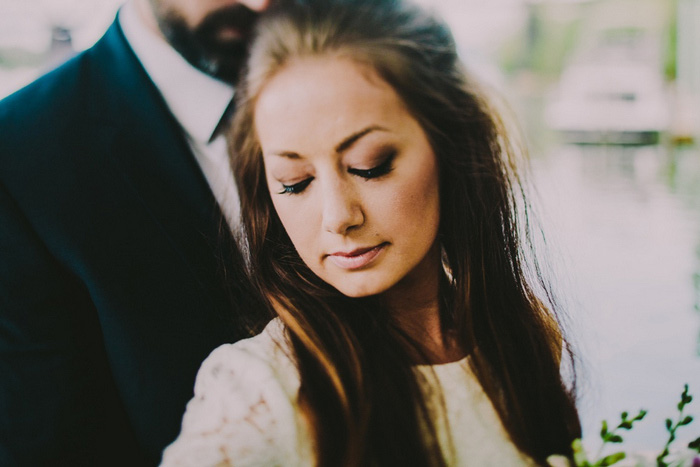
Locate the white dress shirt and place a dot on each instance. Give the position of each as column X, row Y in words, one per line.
column 197, row 101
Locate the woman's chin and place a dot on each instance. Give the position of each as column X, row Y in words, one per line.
column 358, row 290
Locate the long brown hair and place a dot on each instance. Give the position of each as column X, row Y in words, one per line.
column 359, row 388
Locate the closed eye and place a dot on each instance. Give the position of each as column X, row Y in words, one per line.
column 296, row 188
column 378, row 171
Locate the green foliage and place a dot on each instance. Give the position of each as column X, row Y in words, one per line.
column 614, row 436
column 546, row 42
column 695, row 444
column 608, row 437
column 672, row 427
column 670, row 54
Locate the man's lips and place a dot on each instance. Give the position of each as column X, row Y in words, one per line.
column 230, row 33
column 357, row 258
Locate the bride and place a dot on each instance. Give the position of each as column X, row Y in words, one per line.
column 381, row 203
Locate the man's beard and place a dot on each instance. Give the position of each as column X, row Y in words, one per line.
column 203, row 46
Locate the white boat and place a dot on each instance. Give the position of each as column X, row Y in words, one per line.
column 609, row 103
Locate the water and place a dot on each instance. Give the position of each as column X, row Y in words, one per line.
column 625, row 224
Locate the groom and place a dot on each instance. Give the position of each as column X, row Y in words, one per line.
column 116, row 207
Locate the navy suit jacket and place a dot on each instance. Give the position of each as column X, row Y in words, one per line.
column 112, row 289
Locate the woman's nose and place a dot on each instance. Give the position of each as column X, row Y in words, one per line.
column 342, row 209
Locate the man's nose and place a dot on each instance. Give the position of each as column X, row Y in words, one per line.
column 256, row 5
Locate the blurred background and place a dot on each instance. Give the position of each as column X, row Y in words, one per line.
column 607, row 95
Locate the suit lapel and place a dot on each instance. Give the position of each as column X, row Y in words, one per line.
column 149, row 148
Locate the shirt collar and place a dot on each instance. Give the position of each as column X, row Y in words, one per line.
column 197, row 100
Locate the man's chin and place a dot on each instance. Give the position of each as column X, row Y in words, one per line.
column 221, row 57
column 226, row 62
column 223, row 61
column 226, row 70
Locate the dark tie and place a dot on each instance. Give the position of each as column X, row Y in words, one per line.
column 225, row 120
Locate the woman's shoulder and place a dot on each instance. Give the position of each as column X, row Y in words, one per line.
column 244, row 407
column 266, row 356
column 270, row 348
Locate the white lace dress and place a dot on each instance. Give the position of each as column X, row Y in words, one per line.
column 244, row 412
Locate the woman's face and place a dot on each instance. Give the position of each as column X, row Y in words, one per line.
column 351, row 175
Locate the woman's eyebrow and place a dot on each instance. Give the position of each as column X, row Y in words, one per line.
column 288, row 154
column 352, row 139
column 340, row 148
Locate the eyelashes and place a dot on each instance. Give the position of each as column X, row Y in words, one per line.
column 375, row 172
column 382, row 169
column 296, row 188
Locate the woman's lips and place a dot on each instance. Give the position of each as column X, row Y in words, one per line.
column 357, row 258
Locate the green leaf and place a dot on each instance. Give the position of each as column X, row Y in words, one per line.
column 579, row 454
column 669, row 424
column 615, row 439
column 624, row 415
column 685, row 397
column 695, row 444
column 612, row 459
column 686, row 421
column 640, row 415
column 604, row 429
column 626, row 425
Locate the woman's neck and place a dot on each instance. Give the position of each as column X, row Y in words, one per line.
column 422, row 322
column 415, row 303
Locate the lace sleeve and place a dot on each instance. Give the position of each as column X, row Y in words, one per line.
column 241, row 414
